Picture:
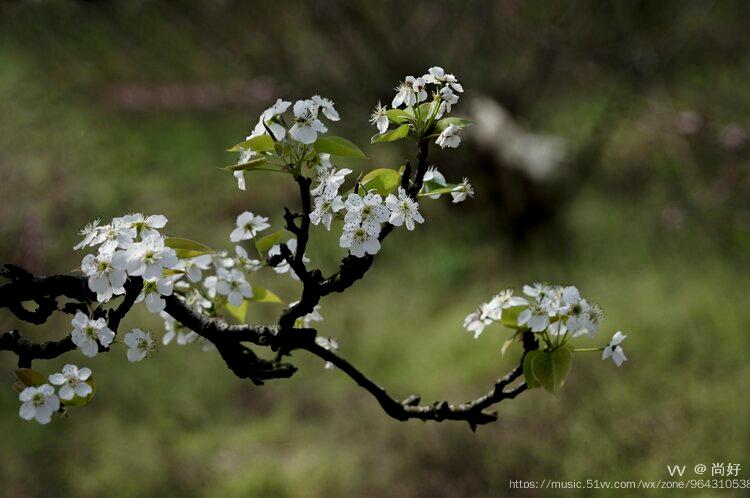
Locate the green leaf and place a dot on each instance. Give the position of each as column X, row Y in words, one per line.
column 261, row 143
column 390, row 136
column 186, row 248
column 261, row 295
column 528, row 372
column 82, row 401
column 426, row 109
column 252, row 164
column 30, row 377
column 238, row 312
column 382, row 180
column 337, row 146
column 510, row 316
column 398, row 116
column 550, row 369
column 267, row 242
column 445, row 122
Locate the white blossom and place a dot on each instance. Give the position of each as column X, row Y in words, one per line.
column 462, row 191
column 184, row 335
column 153, row 290
column 244, row 262
column 306, row 123
column 432, row 175
column 614, row 350
column 234, row 286
column 87, row 332
column 106, row 273
column 248, row 226
column 150, row 257
column 324, row 208
column 328, row 343
column 38, row 403
column 404, row 210
column 326, row 106
column 329, row 180
column 119, row 234
column 140, row 344
column 197, row 265
column 436, row 75
column 409, row 92
column 284, row 266
column 584, row 319
column 313, row 316
column 367, row 210
column 146, row 226
column 449, row 137
column 359, row 241
column 492, row 311
column 379, row 118
column 72, row 381
column 240, row 176
column 535, row 317
column 447, row 99
column 268, row 119
column 89, row 231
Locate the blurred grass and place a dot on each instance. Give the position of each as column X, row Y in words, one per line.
column 182, row 425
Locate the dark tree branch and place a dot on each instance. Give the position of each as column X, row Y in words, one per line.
column 473, row 412
column 231, row 341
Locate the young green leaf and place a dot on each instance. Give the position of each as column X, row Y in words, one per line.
column 427, row 109
column 268, row 241
column 551, row 369
column 510, row 316
column 398, row 116
column 238, row 312
column 186, row 248
column 30, row 377
column 390, row 136
column 381, row 180
column 446, row 122
column 337, row 146
column 261, row 143
column 528, row 371
column 252, row 164
column 261, row 295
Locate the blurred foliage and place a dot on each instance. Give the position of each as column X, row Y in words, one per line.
column 110, row 107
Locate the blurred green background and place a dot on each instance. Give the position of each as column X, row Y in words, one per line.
column 112, row 107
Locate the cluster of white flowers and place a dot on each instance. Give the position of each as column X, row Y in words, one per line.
column 305, row 128
column 327, row 201
column 40, row 402
column 554, row 312
column 412, row 91
column 129, row 246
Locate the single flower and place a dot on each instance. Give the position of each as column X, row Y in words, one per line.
column 379, row 118
column 404, row 210
column 306, row 123
column 248, row 226
column 614, row 350
column 72, row 382
column 88, row 334
column 326, row 106
column 462, row 191
column 359, row 241
column 140, row 344
column 38, row 403
column 449, row 137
